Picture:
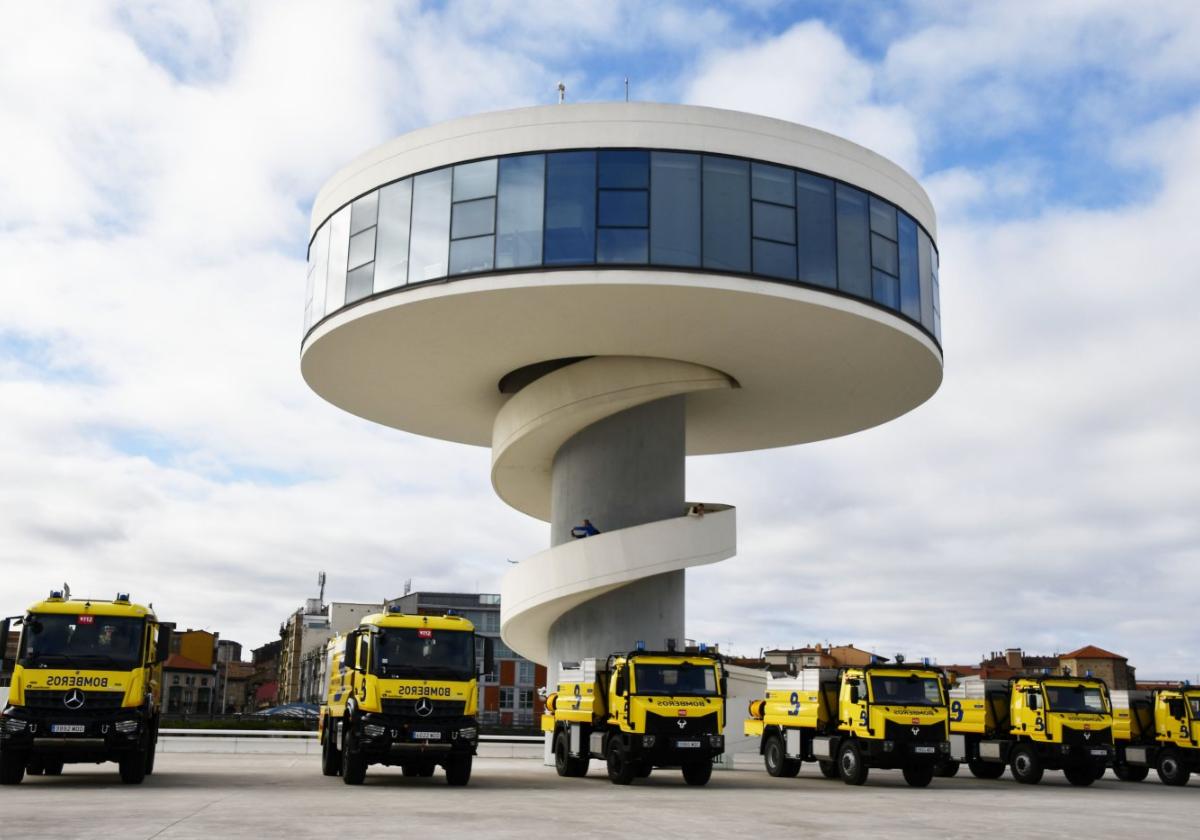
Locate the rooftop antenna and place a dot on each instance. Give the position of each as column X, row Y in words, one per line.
column 408, row 586
column 626, row 88
column 562, row 93
column 321, row 583
column 66, row 592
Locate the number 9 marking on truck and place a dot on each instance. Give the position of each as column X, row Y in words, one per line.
column 578, row 697
column 795, row 701
column 956, row 711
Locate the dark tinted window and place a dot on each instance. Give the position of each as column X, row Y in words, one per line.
column 774, row 222
column 570, row 208
column 675, row 209
column 774, row 259
column 854, row 255
column 473, row 218
column 910, row 281
column 471, row 254
column 475, row 180
column 816, row 236
column 622, row 245
column 773, row 183
column 624, row 169
column 885, row 289
column 519, row 212
column 925, row 269
column 883, row 254
column 726, row 217
column 624, row 208
column 883, row 218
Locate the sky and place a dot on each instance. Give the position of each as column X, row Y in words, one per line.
column 158, row 163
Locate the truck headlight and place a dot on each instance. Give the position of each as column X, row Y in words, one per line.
column 372, row 731
column 648, row 740
column 12, row 724
column 470, row 733
column 888, row 746
column 125, row 727
column 717, row 742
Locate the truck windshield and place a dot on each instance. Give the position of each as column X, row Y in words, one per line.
column 435, row 654
column 81, row 641
column 684, row 679
column 1083, row 699
column 910, row 690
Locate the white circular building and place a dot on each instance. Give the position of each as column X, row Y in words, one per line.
column 597, row 291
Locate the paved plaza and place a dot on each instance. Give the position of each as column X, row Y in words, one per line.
column 266, row 796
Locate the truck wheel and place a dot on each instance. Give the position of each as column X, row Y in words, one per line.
column 12, row 767
column 850, row 764
column 53, row 768
column 1171, row 770
column 132, row 766
column 620, row 770
column 828, row 769
column 151, row 750
column 776, row 760
column 458, row 770
column 698, row 772
column 354, row 764
column 1131, row 772
column 1026, row 768
column 985, row 769
column 946, row 769
column 919, row 774
column 564, row 763
column 331, row 756
column 1080, row 776
column 644, row 770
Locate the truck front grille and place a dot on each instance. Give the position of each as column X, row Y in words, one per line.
column 906, row 733
column 670, row 727
column 1086, row 737
column 94, row 702
column 441, row 709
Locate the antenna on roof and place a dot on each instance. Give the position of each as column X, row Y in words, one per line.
column 562, row 93
column 321, row 583
column 626, row 88
column 408, row 586
column 66, row 592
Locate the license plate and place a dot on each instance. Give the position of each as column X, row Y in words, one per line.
column 67, row 728
column 686, row 745
column 427, row 736
column 924, row 749
column 1099, row 752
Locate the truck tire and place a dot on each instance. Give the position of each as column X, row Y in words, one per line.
column 828, row 769
column 697, row 772
column 1131, row 772
column 851, row 766
column 1171, row 769
column 776, row 760
column 918, row 774
column 151, row 749
column 12, row 767
column 354, row 764
column 644, row 770
column 564, row 764
column 985, row 769
column 331, row 756
column 946, row 769
column 621, row 770
column 132, row 767
column 1080, row 776
column 458, row 770
column 1026, row 766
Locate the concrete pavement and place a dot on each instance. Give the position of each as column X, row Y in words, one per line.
column 266, row 796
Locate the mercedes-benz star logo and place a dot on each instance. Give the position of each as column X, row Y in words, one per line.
column 424, row 707
column 74, row 699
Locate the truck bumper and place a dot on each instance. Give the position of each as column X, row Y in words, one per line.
column 70, row 738
column 661, row 751
column 386, row 739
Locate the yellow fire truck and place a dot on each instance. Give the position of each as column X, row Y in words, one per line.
column 639, row 711
column 1159, row 729
column 852, row 720
column 86, row 688
column 1032, row 724
column 403, row 690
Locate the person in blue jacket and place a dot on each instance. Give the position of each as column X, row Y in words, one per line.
column 587, row 529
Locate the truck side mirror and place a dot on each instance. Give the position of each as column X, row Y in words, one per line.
column 489, row 655
column 620, row 684
column 854, row 696
column 4, row 666
column 724, row 686
column 350, row 657
column 162, row 646
column 1175, row 708
column 1033, row 701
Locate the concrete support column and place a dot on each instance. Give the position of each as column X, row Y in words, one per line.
column 625, row 470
